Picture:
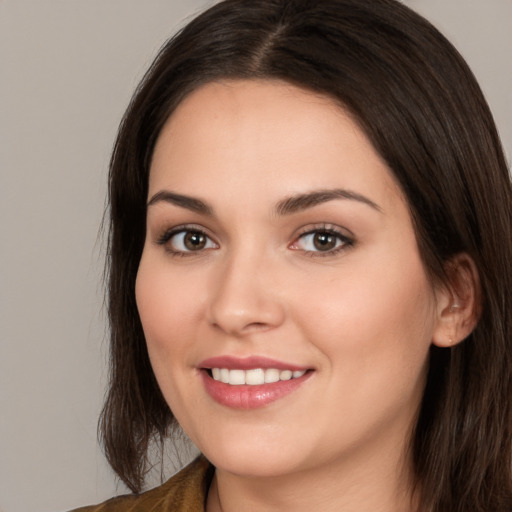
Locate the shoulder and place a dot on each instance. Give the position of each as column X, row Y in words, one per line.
column 185, row 492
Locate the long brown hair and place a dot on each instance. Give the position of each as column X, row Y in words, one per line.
column 420, row 106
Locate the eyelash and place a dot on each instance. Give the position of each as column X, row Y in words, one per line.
column 168, row 235
column 345, row 242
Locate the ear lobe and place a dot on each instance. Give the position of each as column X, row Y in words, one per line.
column 458, row 302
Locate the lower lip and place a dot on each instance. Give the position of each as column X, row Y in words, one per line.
column 250, row 397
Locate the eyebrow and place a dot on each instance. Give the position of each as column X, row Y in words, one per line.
column 284, row 207
column 300, row 202
column 190, row 203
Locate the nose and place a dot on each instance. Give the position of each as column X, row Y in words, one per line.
column 245, row 297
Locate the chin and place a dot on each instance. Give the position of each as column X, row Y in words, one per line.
column 254, row 465
column 255, row 456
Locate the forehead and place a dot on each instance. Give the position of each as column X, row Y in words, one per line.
column 264, row 135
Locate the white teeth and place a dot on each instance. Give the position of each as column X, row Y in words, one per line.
column 271, row 375
column 224, row 375
column 254, row 377
column 236, row 377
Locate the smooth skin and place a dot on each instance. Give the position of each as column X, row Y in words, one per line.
column 333, row 282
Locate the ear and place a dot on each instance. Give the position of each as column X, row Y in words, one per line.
column 458, row 302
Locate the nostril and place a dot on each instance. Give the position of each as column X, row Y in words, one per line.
column 258, row 325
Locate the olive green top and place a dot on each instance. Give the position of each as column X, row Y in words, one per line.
column 184, row 492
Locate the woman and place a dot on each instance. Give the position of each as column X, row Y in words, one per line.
column 310, row 251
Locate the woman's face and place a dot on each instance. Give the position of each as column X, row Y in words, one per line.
column 278, row 244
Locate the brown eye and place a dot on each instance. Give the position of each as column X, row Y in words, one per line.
column 194, row 240
column 186, row 241
column 324, row 241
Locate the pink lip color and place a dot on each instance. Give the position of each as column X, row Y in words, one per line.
column 245, row 396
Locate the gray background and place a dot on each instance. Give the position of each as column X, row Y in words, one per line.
column 67, row 71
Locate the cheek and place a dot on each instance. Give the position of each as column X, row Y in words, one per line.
column 167, row 309
column 169, row 312
column 374, row 332
column 375, row 321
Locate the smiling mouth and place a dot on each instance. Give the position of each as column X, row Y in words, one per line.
column 250, row 383
column 253, row 377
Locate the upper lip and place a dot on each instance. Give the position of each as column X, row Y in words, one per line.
column 248, row 363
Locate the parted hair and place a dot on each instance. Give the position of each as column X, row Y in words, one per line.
column 420, row 106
